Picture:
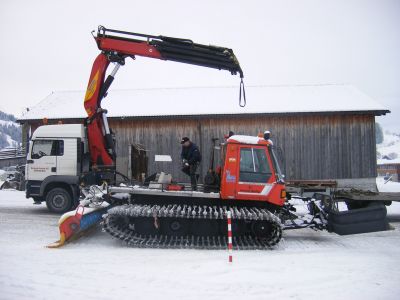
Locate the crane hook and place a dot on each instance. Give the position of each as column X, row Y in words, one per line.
column 242, row 104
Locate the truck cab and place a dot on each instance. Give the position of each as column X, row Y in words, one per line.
column 54, row 165
column 251, row 171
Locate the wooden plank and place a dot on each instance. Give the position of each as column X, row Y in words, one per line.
column 368, row 196
column 311, row 183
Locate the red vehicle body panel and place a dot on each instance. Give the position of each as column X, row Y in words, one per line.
column 233, row 188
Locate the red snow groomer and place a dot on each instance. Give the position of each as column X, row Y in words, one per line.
column 248, row 181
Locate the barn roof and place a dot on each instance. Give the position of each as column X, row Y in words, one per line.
column 204, row 101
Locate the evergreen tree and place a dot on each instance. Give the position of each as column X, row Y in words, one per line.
column 13, row 130
column 378, row 133
column 7, row 117
column 3, row 140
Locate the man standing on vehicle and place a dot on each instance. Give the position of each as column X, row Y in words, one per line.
column 191, row 159
column 267, row 136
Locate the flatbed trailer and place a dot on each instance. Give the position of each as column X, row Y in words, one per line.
column 366, row 209
column 331, row 188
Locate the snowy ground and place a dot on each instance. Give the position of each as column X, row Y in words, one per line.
column 306, row 265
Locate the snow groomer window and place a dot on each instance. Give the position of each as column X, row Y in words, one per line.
column 47, row 148
column 254, row 166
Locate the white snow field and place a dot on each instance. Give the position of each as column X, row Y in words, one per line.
column 306, row 265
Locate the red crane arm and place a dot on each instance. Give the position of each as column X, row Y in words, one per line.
column 115, row 48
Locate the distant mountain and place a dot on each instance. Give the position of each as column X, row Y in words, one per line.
column 10, row 131
column 389, row 150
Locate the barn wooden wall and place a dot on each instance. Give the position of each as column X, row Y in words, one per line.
column 314, row 146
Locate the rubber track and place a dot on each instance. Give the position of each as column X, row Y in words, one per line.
column 244, row 242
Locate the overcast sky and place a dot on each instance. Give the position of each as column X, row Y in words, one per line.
column 46, row 45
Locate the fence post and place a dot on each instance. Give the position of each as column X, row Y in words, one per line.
column 229, row 235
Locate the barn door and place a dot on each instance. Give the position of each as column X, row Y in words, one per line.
column 138, row 162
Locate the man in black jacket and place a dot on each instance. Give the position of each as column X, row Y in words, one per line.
column 191, row 159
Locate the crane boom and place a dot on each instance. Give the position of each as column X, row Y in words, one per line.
column 115, row 46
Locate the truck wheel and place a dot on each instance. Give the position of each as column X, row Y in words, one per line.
column 58, row 200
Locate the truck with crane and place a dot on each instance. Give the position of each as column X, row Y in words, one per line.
column 66, row 161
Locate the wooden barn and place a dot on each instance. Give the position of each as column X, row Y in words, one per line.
column 324, row 131
column 389, row 169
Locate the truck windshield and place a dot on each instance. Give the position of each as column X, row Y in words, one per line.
column 254, row 165
column 278, row 172
column 47, row 148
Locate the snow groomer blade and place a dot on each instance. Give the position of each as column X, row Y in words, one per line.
column 74, row 224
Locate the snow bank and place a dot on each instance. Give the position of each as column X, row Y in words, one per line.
column 390, row 186
column 8, row 123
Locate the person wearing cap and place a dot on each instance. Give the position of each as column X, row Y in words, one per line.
column 267, row 136
column 191, row 158
column 227, row 136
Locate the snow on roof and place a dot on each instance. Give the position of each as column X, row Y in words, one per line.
column 388, row 161
column 66, row 130
column 245, row 139
column 209, row 101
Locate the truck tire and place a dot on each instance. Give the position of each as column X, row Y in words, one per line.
column 362, row 227
column 356, row 204
column 362, row 220
column 58, row 200
column 37, row 200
